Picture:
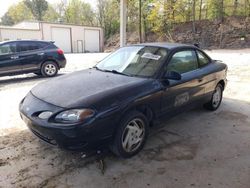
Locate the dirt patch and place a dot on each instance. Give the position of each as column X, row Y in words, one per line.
column 229, row 115
column 179, row 150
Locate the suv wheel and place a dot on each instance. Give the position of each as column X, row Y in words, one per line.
column 131, row 135
column 49, row 69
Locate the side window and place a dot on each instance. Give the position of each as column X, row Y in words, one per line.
column 183, row 61
column 203, row 60
column 9, row 48
column 22, row 47
column 33, row 46
column 43, row 44
column 27, row 46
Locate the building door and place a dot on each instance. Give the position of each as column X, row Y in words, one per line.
column 62, row 38
column 92, row 40
column 80, row 46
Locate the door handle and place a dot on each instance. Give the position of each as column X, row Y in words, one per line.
column 200, row 79
column 41, row 53
column 14, row 57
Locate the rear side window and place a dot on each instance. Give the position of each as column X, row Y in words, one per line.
column 183, row 61
column 28, row 46
column 203, row 60
column 43, row 44
column 8, row 48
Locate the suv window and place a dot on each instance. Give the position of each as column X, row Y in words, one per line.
column 203, row 60
column 43, row 44
column 183, row 61
column 27, row 46
column 8, row 48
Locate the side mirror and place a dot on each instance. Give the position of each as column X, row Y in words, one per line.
column 172, row 75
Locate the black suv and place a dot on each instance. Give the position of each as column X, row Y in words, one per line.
column 26, row 56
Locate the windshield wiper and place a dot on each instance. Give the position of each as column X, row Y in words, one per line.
column 95, row 67
column 112, row 71
column 116, row 72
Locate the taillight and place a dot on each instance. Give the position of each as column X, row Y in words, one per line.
column 60, row 51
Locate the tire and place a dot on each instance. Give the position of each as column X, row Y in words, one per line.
column 49, row 69
column 38, row 73
column 131, row 135
column 216, row 99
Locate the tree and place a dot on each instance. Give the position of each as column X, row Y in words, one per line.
column 78, row 12
column 200, row 10
column 7, row 20
column 17, row 13
column 108, row 16
column 139, row 25
column 193, row 13
column 217, row 9
column 51, row 15
column 37, row 7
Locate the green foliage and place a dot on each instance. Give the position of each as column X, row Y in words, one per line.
column 79, row 12
column 51, row 15
column 157, row 16
column 37, row 7
column 108, row 16
column 17, row 13
column 7, row 20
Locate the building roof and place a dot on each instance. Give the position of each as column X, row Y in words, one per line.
column 35, row 25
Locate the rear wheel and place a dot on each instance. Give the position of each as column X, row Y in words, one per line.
column 131, row 135
column 49, row 69
column 216, row 99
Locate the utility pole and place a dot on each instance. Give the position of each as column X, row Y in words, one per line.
column 123, row 22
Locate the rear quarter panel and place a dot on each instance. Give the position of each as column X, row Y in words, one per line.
column 52, row 55
column 213, row 74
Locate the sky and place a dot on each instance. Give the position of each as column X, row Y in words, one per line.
column 5, row 4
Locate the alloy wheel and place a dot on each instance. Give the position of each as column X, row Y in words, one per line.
column 133, row 135
column 50, row 69
column 217, row 97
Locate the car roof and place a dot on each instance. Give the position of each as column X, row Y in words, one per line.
column 24, row 41
column 167, row 45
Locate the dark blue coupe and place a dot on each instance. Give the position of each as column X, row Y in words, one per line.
column 114, row 103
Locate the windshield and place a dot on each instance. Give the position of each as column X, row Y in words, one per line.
column 139, row 61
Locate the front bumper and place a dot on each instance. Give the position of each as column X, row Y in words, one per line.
column 81, row 137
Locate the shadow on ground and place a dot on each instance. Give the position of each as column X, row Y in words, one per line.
column 8, row 80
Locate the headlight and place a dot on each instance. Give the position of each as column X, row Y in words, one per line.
column 74, row 115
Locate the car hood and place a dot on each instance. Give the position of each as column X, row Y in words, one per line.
column 87, row 88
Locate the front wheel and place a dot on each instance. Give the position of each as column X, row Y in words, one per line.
column 216, row 99
column 49, row 69
column 131, row 135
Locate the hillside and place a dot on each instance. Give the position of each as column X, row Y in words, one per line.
column 233, row 33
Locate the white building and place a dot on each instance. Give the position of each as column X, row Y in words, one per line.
column 70, row 38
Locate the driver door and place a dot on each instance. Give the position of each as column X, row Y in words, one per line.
column 179, row 95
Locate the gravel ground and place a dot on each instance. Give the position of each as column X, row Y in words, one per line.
column 195, row 149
